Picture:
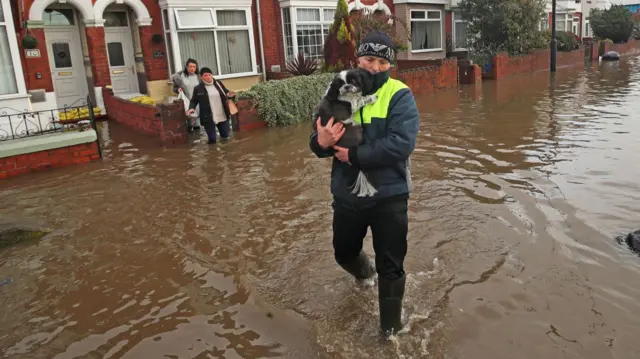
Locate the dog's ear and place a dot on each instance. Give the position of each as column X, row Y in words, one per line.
column 366, row 80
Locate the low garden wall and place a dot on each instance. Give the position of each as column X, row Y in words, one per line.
column 43, row 152
column 293, row 100
column 428, row 79
column 166, row 122
column 503, row 65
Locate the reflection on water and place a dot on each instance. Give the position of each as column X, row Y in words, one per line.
column 224, row 251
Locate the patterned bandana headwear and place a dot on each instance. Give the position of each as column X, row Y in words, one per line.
column 377, row 44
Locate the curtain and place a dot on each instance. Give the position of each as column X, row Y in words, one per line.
column 200, row 46
column 308, row 14
column 426, row 35
column 235, row 51
column 231, row 18
column 8, row 84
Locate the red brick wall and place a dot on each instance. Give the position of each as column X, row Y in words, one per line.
column 628, row 48
column 505, row 66
column 155, row 68
column 248, row 117
column 40, row 65
column 43, row 160
column 429, row 79
column 98, row 56
column 272, row 34
column 166, row 122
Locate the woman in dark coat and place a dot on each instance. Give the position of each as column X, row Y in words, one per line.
column 212, row 96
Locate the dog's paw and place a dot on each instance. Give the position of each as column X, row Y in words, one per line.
column 373, row 98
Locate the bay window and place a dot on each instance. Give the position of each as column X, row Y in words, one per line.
column 218, row 38
column 305, row 30
column 563, row 22
column 426, row 30
column 459, row 31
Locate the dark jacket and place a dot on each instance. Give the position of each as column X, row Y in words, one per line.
column 384, row 154
column 201, row 97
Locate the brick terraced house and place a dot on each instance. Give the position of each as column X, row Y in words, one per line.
column 135, row 45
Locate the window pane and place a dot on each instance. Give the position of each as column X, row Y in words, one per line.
column 58, row 17
column 231, row 17
column 200, row 46
column 288, row 36
column 433, row 15
column 8, row 83
column 418, row 15
column 170, row 57
column 308, row 14
column 165, row 17
column 461, row 35
column 191, row 18
column 235, row 52
column 310, row 40
column 113, row 19
column 116, row 55
column 329, row 14
column 61, row 55
column 426, row 35
column 1, row 14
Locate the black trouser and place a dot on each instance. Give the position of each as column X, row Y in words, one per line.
column 389, row 226
column 223, row 127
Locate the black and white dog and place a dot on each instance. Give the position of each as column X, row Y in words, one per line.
column 344, row 97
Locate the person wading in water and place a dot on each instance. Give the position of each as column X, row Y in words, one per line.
column 185, row 81
column 212, row 96
column 390, row 128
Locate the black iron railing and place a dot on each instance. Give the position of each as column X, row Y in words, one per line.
column 15, row 124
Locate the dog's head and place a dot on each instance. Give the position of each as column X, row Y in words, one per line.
column 353, row 81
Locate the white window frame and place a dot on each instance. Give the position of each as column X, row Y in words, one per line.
column 293, row 15
column 174, row 28
column 568, row 21
column 15, row 52
column 426, row 19
column 187, row 27
column 453, row 31
column 588, row 32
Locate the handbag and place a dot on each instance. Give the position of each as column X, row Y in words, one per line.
column 233, row 109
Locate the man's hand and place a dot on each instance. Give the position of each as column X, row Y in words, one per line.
column 342, row 154
column 330, row 134
column 191, row 111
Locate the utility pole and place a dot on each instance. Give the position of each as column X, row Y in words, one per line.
column 553, row 37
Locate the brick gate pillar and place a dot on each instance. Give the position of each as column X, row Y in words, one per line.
column 98, row 54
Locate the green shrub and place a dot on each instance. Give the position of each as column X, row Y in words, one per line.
column 566, row 41
column 615, row 23
column 289, row 101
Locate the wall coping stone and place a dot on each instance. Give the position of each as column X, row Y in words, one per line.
column 46, row 142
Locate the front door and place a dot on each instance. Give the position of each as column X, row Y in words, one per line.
column 121, row 61
column 67, row 68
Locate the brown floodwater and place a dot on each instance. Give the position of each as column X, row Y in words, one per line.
column 225, row 251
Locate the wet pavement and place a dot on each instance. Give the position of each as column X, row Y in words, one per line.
column 225, row 251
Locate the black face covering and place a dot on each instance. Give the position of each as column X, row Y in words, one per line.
column 379, row 79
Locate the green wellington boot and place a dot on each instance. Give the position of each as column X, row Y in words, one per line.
column 390, row 295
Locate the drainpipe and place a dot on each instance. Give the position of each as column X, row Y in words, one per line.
column 262, row 65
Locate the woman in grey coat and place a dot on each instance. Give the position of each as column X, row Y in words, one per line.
column 185, row 80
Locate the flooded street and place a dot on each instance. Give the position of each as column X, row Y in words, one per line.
column 225, row 251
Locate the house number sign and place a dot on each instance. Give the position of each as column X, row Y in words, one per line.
column 33, row 53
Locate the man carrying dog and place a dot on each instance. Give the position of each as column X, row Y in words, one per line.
column 390, row 128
